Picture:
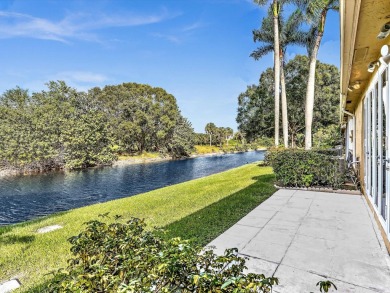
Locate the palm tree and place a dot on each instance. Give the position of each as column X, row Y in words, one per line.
column 228, row 134
column 275, row 7
column 289, row 34
column 316, row 11
column 210, row 129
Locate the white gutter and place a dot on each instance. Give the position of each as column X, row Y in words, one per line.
column 354, row 138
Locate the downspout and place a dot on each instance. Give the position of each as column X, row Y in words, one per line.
column 354, row 136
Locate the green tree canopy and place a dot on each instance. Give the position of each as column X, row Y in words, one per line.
column 255, row 105
column 61, row 127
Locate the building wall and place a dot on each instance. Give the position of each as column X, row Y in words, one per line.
column 377, row 195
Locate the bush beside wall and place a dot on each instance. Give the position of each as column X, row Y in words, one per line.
column 302, row 168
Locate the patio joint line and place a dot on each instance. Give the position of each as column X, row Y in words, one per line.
column 249, row 226
column 295, row 234
column 256, row 257
column 336, row 279
column 261, row 229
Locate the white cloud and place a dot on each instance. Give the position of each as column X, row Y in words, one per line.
column 193, row 26
column 178, row 35
column 73, row 26
column 169, row 37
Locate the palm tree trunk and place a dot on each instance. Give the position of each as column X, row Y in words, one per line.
column 292, row 140
column 276, row 69
column 284, row 103
column 310, row 93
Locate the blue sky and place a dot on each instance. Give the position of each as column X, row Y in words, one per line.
column 197, row 50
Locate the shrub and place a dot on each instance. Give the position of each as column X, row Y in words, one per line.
column 301, row 168
column 265, row 141
column 327, row 137
column 121, row 257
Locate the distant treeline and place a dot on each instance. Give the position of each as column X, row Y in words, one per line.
column 64, row 128
column 214, row 135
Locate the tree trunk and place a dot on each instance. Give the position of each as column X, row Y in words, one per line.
column 292, row 140
column 210, row 139
column 276, row 69
column 284, row 103
column 310, row 93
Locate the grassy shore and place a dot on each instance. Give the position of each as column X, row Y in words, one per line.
column 200, row 209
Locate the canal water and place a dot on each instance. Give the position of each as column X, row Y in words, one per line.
column 30, row 196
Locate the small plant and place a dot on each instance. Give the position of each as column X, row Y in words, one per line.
column 124, row 257
column 307, row 179
column 326, row 285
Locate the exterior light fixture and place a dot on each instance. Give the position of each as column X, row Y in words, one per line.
column 384, row 32
column 356, row 85
column 385, row 52
column 371, row 66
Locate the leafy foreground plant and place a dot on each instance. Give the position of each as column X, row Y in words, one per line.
column 125, row 257
column 326, row 285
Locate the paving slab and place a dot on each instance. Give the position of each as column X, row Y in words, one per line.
column 303, row 237
column 9, row 286
column 48, row 229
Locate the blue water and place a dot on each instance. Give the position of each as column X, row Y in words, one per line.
column 30, row 196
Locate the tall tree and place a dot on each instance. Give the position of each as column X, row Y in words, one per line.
column 142, row 118
column 290, row 34
column 255, row 115
column 275, row 7
column 182, row 143
column 316, row 12
column 228, row 134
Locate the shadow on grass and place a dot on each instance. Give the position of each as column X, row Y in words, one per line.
column 13, row 239
column 5, row 229
column 209, row 222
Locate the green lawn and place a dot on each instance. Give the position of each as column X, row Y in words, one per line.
column 200, row 209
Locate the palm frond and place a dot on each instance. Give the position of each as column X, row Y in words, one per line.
column 266, row 32
column 298, row 38
column 260, row 2
column 265, row 36
column 294, row 21
column 315, row 8
column 262, row 51
column 291, row 32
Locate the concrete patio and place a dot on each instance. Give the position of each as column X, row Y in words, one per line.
column 303, row 237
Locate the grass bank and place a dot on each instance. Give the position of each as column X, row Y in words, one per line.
column 206, row 149
column 199, row 209
column 144, row 155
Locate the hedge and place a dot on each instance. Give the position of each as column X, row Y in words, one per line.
column 305, row 168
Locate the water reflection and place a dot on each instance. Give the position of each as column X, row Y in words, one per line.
column 31, row 196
